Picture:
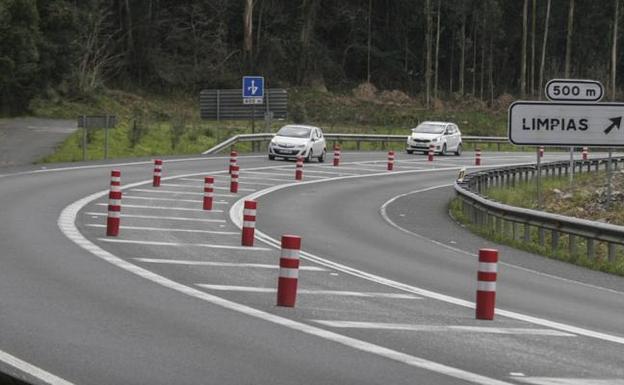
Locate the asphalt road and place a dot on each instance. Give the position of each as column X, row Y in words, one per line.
column 23, row 141
column 174, row 299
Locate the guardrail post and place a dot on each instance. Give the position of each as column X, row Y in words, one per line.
column 554, row 241
column 499, row 224
column 541, row 235
column 559, row 173
column 515, row 228
column 572, row 244
column 507, row 230
column 597, row 165
column 357, row 145
column 527, row 232
column 591, row 250
column 588, row 166
column 611, row 251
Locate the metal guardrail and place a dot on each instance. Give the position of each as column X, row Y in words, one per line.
column 357, row 138
column 506, row 219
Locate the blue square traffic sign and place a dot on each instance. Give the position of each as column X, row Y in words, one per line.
column 253, row 86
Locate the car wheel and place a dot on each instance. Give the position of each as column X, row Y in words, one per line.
column 309, row 157
column 321, row 158
column 459, row 150
column 271, row 157
column 443, row 151
column 409, row 151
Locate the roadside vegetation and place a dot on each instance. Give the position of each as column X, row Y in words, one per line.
column 151, row 125
column 585, row 198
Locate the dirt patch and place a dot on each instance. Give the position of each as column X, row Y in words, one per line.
column 365, row 91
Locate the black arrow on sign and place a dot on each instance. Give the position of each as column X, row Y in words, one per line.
column 615, row 123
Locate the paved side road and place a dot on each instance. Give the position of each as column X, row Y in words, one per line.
column 25, row 140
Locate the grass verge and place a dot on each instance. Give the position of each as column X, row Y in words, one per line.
column 560, row 197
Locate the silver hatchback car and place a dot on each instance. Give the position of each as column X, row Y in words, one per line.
column 444, row 136
column 293, row 140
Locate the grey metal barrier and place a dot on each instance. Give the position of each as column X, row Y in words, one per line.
column 507, row 220
column 339, row 138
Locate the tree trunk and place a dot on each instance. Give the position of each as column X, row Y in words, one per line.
column 368, row 55
column 248, row 34
column 614, row 49
column 475, row 39
column 523, row 56
column 437, row 54
column 483, row 44
column 452, row 63
column 568, row 55
column 309, row 9
column 462, row 60
column 532, row 70
column 428, row 49
column 544, row 41
column 491, row 71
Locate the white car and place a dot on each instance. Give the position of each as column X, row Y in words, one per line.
column 444, row 136
column 298, row 140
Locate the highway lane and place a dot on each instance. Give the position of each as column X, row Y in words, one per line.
column 87, row 321
column 94, row 321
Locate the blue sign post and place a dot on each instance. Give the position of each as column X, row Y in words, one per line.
column 253, row 93
column 253, row 89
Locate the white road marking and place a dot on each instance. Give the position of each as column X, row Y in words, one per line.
column 570, row 381
column 286, row 174
column 251, row 289
column 198, row 180
column 516, row 374
column 32, row 370
column 160, row 217
column 236, row 218
column 67, row 224
column 443, row 328
column 162, row 208
column 182, row 244
column 221, row 264
column 196, row 187
column 172, row 192
column 309, row 169
column 169, row 230
column 126, row 196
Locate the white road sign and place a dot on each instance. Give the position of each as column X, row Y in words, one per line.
column 566, row 124
column 574, row 90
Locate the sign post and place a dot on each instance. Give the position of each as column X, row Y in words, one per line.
column 253, row 93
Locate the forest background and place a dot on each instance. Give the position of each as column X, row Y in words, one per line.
column 60, row 57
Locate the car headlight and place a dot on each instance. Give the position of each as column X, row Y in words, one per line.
column 434, row 140
column 300, row 146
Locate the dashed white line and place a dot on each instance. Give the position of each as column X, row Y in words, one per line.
column 338, row 293
column 214, row 187
column 125, row 205
column 126, row 196
column 182, row 244
column 159, row 217
column 443, row 328
column 168, row 230
column 221, row 264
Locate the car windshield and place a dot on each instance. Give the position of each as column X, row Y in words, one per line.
column 428, row 129
column 294, row 132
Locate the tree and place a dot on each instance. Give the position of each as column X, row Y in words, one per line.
column 532, row 68
column 614, row 48
column 248, row 35
column 437, row 52
column 19, row 54
column 523, row 60
column 568, row 53
column 544, row 42
column 428, row 41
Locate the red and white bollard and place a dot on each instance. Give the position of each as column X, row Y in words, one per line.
column 486, row 284
column 233, row 160
column 114, row 204
column 157, row 172
column 430, row 157
column 208, row 192
column 289, row 271
column 299, row 168
column 234, row 179
column 585, row 150
column 390, row 160
column 337, row 155
column 249, row 223
column 541, row 151
column 477, row 157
